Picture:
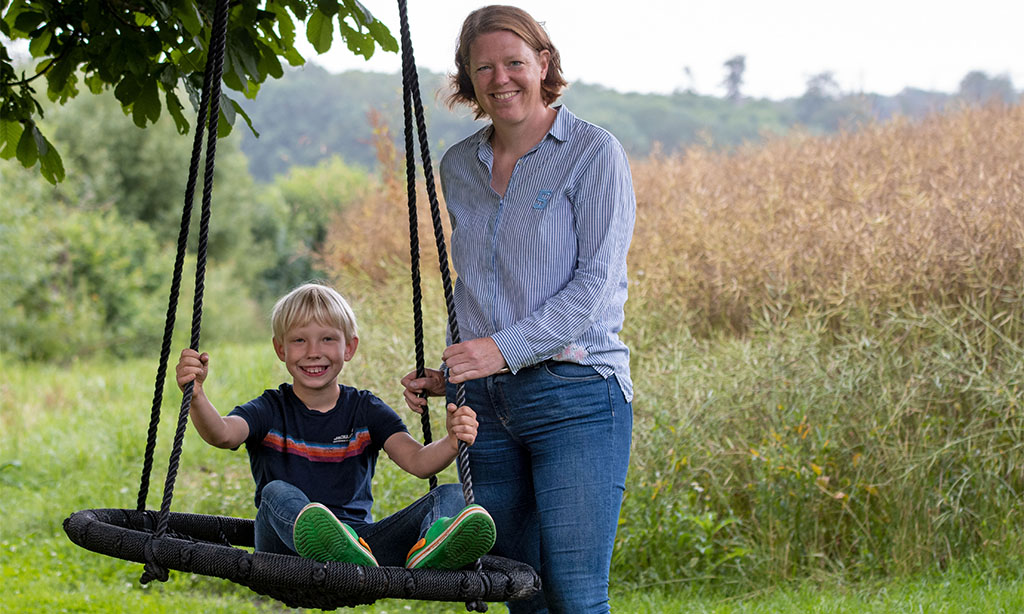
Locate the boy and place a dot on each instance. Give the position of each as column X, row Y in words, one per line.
column 313, row 447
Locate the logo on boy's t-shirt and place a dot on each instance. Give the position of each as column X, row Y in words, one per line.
column 343, row 439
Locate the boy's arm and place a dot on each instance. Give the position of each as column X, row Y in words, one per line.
column 220, row 431
column 424, row 461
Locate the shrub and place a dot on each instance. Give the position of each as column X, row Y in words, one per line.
column 76, row 282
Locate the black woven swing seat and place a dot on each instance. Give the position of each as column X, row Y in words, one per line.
column 213, row 546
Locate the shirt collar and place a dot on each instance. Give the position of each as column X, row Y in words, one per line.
column 559, row 129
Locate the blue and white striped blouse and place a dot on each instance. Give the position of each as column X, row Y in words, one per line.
column 542, row 269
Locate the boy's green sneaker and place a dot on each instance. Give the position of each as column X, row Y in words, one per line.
column 318, row 535
column 452, row 543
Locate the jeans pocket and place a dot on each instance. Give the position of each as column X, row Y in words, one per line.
column 571, row 371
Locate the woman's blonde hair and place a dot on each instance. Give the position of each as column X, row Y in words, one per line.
column 496, row 18
column 313, row 302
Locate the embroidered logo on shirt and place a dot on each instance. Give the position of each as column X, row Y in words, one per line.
column 542, row 199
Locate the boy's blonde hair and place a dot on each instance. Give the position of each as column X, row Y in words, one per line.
column 313, row 302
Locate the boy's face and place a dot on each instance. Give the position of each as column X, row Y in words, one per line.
column 314, row 354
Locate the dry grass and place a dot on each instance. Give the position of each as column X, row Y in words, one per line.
column 892, row 215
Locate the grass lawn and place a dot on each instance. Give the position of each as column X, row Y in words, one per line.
column 46, row 573
column 72, row 439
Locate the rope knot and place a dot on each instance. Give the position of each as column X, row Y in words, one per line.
column 152, row 570
column 244, row 566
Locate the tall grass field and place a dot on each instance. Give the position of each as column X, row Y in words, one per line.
column 828, row 352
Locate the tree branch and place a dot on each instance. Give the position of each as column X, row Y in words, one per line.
column 63, row 52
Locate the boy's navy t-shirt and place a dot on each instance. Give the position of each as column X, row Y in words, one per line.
column 330, row 456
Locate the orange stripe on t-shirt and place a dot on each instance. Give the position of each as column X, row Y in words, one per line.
column 318, row 452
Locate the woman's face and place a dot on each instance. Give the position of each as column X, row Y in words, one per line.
column 506, row 75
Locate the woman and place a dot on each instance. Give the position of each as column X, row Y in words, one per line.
column 542, row 211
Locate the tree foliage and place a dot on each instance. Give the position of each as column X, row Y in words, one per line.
column 84, row 264
column 978, row 87
column 824, row 108
column 303, row 205
column 75, row 281
column 734, row 67
column 151, row 52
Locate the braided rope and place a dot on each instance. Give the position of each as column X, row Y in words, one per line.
column 211, row 92
column 172, row 300
column 446, row 277
column 414, row 241
column 411, row 90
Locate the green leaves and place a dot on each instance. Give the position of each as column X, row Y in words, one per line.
column 380, row 33
column 148, row 52
column 320, row 31
column 353, row 18
column 30, row 146
column 147, row 104
column 191, row 18
column 10, row 134
column 141, row 98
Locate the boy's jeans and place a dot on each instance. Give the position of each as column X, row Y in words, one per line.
column 549, row 463
column 390, row 539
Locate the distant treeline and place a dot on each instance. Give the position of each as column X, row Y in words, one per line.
column 310, row 115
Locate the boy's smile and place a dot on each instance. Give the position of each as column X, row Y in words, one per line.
column 314, row 355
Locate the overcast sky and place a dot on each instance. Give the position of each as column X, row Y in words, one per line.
column 876, row 46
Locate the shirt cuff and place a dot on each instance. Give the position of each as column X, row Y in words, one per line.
column 514, row 348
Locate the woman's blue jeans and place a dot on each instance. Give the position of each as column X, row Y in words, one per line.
column 549, row 463
column 390, row 539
